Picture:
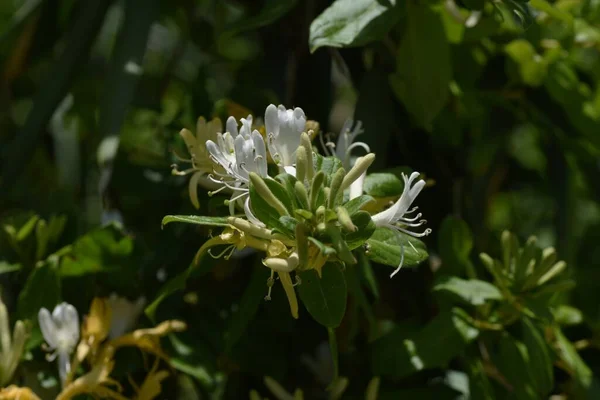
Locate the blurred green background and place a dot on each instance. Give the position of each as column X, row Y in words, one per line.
column 496, row 103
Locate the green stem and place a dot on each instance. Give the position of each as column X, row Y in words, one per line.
column 334, row 353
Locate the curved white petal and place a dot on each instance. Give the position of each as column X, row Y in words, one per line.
column 48, row 327
column 260, row 156
column 231, row 126
column 356, row 187
column 409, row 194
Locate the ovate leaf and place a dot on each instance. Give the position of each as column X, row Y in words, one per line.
column 383, row 184
column 103, row 249
column 385, row 247
column 472, row 291
column 325, row 297
column 541, row 366
column 423, row 68
column 365, row 228
column 401, row 353
column 348, row 23
column 512, row 359
column 42, row 289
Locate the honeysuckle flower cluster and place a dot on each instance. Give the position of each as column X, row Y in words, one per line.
column 307, row 209
column 105, row 329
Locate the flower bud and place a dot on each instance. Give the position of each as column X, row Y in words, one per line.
column 305, row 142
column 263, row 191
column 361, row 165
column 345, row 220
column 334, row 188
column 317, row 184
column 302, row 195
column 301, row 164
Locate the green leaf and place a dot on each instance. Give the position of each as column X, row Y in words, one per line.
column 263, row 210
column 400, row 353
column 455, row 244
column 383, row 184
column 532, row 68
column 42, row 289
column 27, row 228
column 576, row 366
column 540, row 363
column 6, row 267
column 513, row 361
column 329, row 166
column 362, row 220
column 423, row 67
column 325, row 297
column 103, row 249
column 357, row 203
column 385, row 247
column 348, row 23
column 195, row 219
column 567, row 315
column 472, row 291
column 249, row 304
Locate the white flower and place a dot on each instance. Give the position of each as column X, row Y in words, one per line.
column 61, row 332
column 343, row 149
column 124, row 314
column 284, row 128
column 242, row 155
column 232, row 126
column 396, row 218
column 345, row 143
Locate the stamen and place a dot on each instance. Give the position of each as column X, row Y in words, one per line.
column 270, row 283
column 228, row 248
column 403, row 219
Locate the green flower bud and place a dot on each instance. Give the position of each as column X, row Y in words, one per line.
column 361, row 165
column 317, row 184
column 263, row 191
column 301, row 164
column 302, row 195
column 310, row 168
column 345, row 220
column 334, row 188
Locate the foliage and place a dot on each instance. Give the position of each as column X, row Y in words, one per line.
column 495, row 103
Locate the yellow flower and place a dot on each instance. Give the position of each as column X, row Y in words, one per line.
column 97, row 324
column 17, row 393
column 151, row 387
column 202, row 164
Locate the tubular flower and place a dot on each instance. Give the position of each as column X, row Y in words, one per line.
column 345, row 143
column 343, row 151
column 284, row 128
column 202, row 164
column 12, row 347
column 61, row 332
column 397, row 216
column 239, row 157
